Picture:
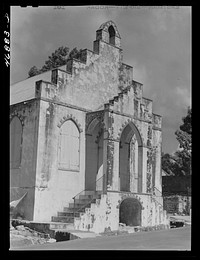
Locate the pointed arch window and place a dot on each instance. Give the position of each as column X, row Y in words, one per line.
column 111, row 32
column 69, row 147
column 15, row 142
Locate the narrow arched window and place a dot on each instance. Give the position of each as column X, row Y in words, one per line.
column 15, row 142
column 69, row 143
column 111, row 32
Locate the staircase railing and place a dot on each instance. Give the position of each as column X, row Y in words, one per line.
column 98, row 184
column 160, row 195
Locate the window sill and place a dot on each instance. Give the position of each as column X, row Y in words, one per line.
column 67, row 169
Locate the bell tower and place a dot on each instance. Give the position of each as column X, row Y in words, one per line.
column 108, row 33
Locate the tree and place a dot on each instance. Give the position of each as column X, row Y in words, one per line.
column 33, row 71
column 75, row 54
column 58, row 58
column 180, row 162
column 167, row 163
column 187, row 122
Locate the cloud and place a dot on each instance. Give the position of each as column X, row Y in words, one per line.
column 183, row 96
column 156, row 42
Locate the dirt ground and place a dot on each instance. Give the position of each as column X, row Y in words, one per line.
column 23, row 236
column 171, row 239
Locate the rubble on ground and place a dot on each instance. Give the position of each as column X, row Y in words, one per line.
column 21, row 235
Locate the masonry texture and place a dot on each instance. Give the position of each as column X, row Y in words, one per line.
column 88, row 142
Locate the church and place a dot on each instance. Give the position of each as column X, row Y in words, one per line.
column 85, row 145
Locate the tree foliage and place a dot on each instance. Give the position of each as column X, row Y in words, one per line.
column 33, row 71
column 58, row 58
column 180, row 162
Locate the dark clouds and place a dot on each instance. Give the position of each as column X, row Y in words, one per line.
column 155, row 41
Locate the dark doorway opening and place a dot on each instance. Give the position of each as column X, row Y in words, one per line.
column 111, row 31
column 130, row 212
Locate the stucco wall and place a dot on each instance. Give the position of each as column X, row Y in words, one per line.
column 97, row 82
column 22, row 179
column 104, row 214
column 147, row 128
column 55, row 187
column 90, row 84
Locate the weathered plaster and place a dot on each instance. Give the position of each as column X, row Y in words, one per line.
column 99, row 95
column 22, row 179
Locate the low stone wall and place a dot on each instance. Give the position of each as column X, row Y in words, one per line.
column 104, row 213
column 177, row 204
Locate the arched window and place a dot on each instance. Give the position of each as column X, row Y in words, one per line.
column 69, row 143
column 130, row 159
column 111, row 31
column 15, row 142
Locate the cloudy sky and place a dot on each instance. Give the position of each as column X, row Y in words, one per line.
column 156, row 41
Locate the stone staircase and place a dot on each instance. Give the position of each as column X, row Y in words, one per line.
column 76, row 207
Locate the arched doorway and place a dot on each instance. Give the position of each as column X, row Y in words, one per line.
column 94, row 157
column 130, row 160
column 130, row 212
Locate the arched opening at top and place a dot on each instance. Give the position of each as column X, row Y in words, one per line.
column 94, row 156
column 69, row 146
column 129, row 130
column 130, row 160
column 111, row 32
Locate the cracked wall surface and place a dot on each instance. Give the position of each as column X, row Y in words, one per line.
column 22, row 178
column 97, row 89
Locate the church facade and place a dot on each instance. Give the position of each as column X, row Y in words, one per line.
column 85, row 143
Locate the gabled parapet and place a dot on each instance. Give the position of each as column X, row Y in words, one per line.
column 138, row 89
column 125, row 76
column 147, row 104
column 157, row 121
column 130, row 102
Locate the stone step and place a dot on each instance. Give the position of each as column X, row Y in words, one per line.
column 84, row 200
column 90, row 197
column 106, row 105
column 79, row 205
column 62, row 219
column 120, row 95
column 116, row 98
column 71, row 210
column 125, row 91
column 88, row 192
column 68, row 214
column 60, row 225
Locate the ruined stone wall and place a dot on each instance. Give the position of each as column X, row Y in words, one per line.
column 130, row 108
column 177, row 204
column 98, row 81
column 55, row 187
column 104, row 213
column 156, row 153
column 22, row 179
